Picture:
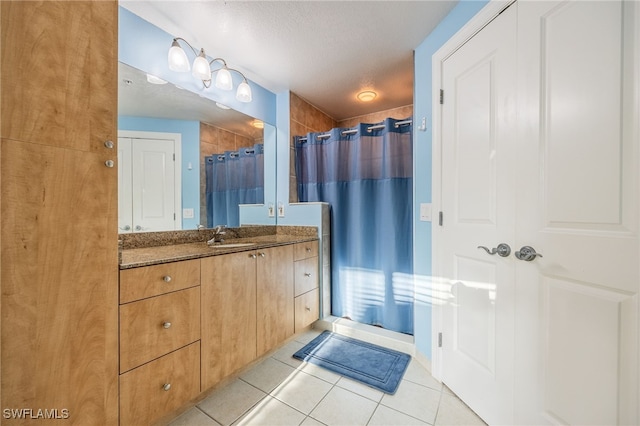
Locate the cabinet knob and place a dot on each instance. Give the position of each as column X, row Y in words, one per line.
column 166, row 386
column 166, row 278
column 307, row 308
column 252, row 255
column 262, row 254
column 108, row 144
column 307, row 274
column 109, row 163
column 308, row 250
column 166, row 324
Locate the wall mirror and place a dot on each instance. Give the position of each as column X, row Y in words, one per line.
column 160, row 122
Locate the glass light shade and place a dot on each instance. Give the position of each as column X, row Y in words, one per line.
column 178, row 60
column 223, row 79
column 201, row 68
column 244, row 92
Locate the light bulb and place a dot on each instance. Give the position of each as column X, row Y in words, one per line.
column 201, row 68
column 178, row 60
column 223, row 79
column 244, row 92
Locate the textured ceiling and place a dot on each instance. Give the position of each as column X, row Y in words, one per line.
column 324, row 51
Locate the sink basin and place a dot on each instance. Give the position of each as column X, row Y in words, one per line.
column 232, row 245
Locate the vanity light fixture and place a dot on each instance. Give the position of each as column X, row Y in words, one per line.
column 366, row 96
column 222, row 106
column 201, row 69
column 258, row 124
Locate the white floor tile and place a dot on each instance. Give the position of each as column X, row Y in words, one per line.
column 270, row 411
column 453, row 412
column 319, row 372
column 302, row 391
column 385, row 416
column 344, row 408
column 268, row 374
column 308, row 336
column 227, row 404
column 416, row 373
column 310, row 421
column 360, row 388
column 194, row 417
column 415, row 400
column 285, row 354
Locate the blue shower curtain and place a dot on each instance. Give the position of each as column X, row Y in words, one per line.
column 367, row 177
column 233, row 178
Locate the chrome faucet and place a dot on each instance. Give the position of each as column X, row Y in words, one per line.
column 218, row 232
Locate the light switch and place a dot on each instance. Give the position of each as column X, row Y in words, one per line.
column 187, row 213
column 425, row 212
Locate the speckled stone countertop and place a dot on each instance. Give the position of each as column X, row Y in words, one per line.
column 151, row 248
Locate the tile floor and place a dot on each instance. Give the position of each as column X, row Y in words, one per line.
column 282, row 390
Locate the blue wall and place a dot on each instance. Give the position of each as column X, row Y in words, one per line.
column 423, row 97
column 190, row 131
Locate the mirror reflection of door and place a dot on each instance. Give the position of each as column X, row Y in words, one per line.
column 149, row 183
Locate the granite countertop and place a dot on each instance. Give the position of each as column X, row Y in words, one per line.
column 144, row 249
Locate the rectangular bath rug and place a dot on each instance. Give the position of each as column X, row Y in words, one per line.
column 373, row 365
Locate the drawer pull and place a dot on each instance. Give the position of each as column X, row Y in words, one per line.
column 307, row 274
column 252, row 256
column 262, row 254
column 307, row 308
column 308, row 250
column 166, row 324
column 166, row 386
column 166, row 278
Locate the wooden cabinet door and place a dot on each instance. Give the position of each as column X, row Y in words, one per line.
column 228, row 286
column 58, row 238
column 275, row 308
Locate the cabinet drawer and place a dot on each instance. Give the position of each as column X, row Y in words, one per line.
column 148, row 281
column 306, row 275
column 143, row 398
column 153, row 327
column 307, row 308
column 305, row 250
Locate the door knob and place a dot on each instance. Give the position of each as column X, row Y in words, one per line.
column 126, row 228
column 527, row 253
column 503, row 250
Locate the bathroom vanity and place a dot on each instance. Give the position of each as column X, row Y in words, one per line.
column 192, row 315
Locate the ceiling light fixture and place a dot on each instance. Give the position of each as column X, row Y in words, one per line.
column 201, row 69
column 366, row 96
column 155, row 80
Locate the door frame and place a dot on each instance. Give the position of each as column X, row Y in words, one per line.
column 472, row 27
column 177, row 147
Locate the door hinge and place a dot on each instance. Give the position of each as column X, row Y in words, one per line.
column 440, row 218
column 441, row 96
column 439, row 340
column 174, row 156
column 174, row 216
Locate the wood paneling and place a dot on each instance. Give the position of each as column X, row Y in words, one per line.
column 59, row 281
column 143, row 398
column 307, row 308
column 274, row 297
column 138, row 283
column 59, row 72
column 58, row 205
column 143, row 335
column 228, row 285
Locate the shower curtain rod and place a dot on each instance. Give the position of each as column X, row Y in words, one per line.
column 352, row 131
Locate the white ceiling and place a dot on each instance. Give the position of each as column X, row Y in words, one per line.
column 324, row 51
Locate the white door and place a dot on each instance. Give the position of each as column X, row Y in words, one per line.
column 577, row 204
column 153, row 183
column 478, row 141
column 573, row 196
column 125, row 208
column 148, row 191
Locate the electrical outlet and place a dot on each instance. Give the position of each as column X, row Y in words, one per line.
column 280, row 210
column 272, row 210
column 187, row 213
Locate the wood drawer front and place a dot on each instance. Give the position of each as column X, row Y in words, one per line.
column 306, row 275
column 305, row 250
column 148, row 281
column 143, row 336
column 307, row 308
column 143, row 399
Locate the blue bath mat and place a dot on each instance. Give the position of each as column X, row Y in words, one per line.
column 373, row 365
